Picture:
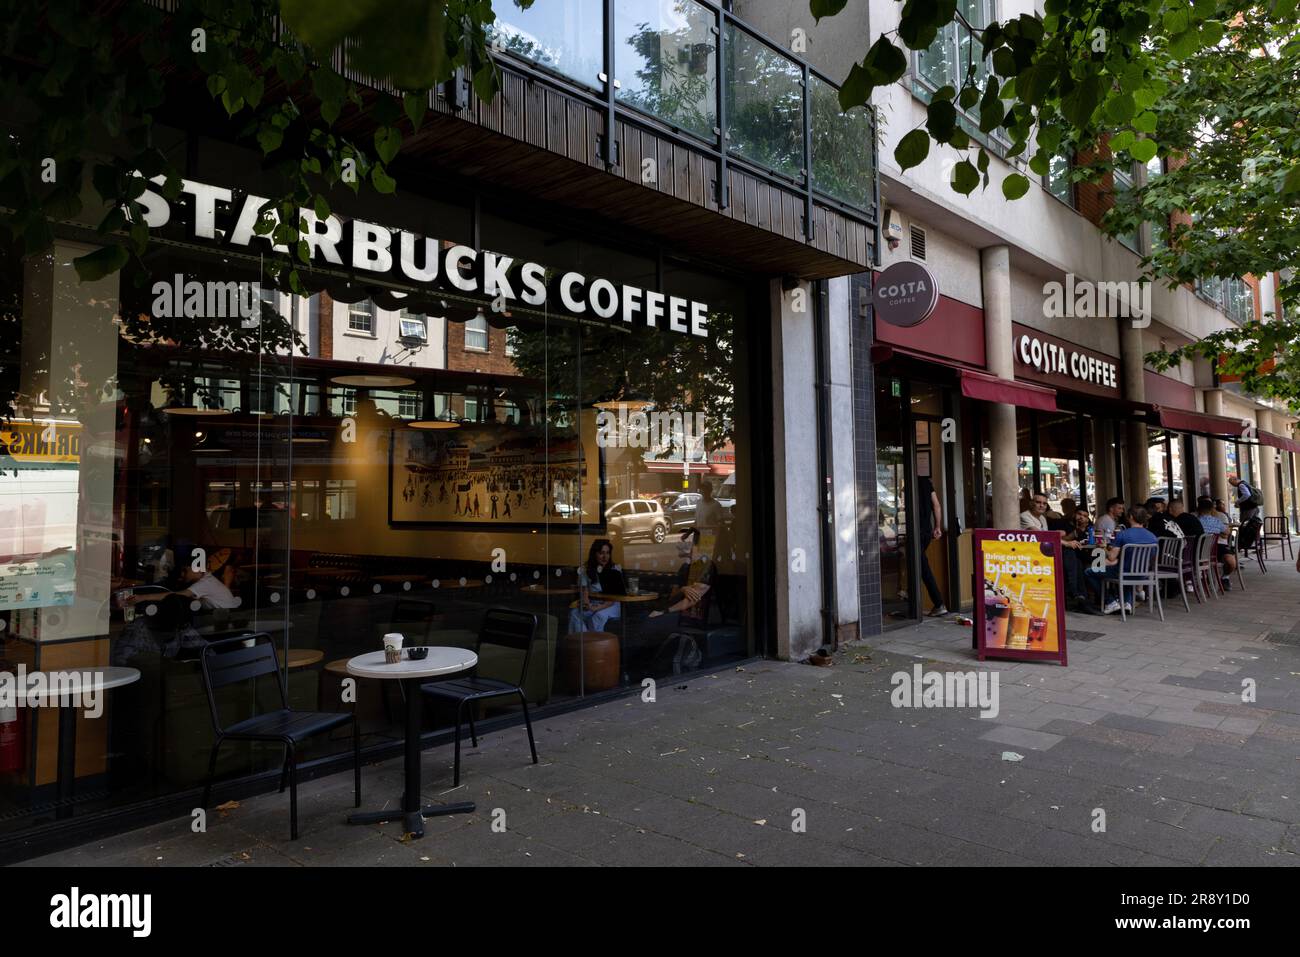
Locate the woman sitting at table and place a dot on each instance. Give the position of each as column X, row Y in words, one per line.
column 599, row 576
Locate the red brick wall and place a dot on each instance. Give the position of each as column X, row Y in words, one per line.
column 494, row 361
column 326, row 326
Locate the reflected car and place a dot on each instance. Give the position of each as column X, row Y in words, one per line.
column 634, row 518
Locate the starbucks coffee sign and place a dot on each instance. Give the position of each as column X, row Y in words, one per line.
column 905, row 294
column 217, row 215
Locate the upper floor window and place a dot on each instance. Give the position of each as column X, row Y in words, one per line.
column 361, row 317
column 512, row 349
column 1057, row 180
column 408, row 405
column 666, row 61
column 476, row 333
column 956, row 56
column 562, row 35
column 411, row 326
column 1123, row 180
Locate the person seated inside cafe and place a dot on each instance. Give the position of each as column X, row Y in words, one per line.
column 599, row 576
column 1214, row 525
column 169, row 628
column 1135, row 534
column 694, row 579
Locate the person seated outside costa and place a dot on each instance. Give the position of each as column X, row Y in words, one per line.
column 1213, row 525
column 599, row 576
column 1108, row 521
column 1034, row 517
column 1221, row 513
column 1076, row 557
column 1065, row 521
column 1191, row 526
column 1162, row 524
column 1134, row 534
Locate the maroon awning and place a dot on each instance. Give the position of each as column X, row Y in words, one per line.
column 1278, row 441
column 977, row 385
column 1200, row 423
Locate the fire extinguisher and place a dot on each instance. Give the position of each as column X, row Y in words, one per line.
column 13, row 730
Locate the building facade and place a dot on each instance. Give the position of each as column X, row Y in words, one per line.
column 606, row 305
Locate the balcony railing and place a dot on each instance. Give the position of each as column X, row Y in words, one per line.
column 698, row 71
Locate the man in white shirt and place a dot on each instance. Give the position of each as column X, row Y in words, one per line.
column 1109, row 520
column 708, row 511
column 1035, row 518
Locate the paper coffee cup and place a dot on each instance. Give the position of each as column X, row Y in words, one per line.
column 393, row 641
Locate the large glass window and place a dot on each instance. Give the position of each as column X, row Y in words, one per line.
column 562, row 35
column 956, row 56
column 842, row 146
column 764, row 94
column 167, row 482
column 666, row 61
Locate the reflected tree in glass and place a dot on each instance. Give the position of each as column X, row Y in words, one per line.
column 666, row 61
column 764, row 94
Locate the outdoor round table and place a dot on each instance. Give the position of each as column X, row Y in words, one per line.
column 412, row 674
column 94, row 679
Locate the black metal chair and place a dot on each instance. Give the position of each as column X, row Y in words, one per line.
column 503, row 628
column 233, row 661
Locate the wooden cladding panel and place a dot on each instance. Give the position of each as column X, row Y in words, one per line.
column 539, row 143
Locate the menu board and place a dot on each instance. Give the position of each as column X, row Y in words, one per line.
column 1021, row 614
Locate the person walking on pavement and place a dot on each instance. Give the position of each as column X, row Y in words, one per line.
column 931, row 526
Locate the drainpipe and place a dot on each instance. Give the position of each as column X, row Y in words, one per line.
column 825, row 481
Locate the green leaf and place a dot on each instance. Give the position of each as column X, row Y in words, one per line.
column 1212, row 33
column 102, row 262
column 1039, row 163
column 1122, row 141
column 1004, row 62
column 1120, row 109
column 944, row 93
column 415, row 105
column 1080, row 103
column 331, row 90
column 382, row 182
column 912, row 149
column 388, row 141
column 856, row 90
column 826, row 8
column 322, row 207
column 965, row 177
column 1015, row 186
column 1291, row 182
column 1177, row 19
column 959, row 140
column 982, row 161
column 884, row 63
column 1143, row 150
column 941, row 120
column 969, row 96
column 1183, row 45
column 1145, row 122
column 269, row 138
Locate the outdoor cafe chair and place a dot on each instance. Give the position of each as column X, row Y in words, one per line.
column 506, row 631
column 248, row 658
column 1207, row 567
column 1169, row 566
column 1137, row 568
column 1276, row 529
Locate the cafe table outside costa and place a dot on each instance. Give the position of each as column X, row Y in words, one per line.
column 412, row 674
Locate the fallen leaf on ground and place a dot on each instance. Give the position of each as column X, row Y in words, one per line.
column 1012, row 756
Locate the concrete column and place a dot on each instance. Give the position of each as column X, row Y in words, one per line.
column 1267, row 466
column 1136, row 464
column 1218, row 452
column 843, row 462
column 794, row 425
column 995, row 269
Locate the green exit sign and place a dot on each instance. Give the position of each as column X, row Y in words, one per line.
column 895, row 388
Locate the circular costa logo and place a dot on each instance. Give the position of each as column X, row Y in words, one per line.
column 905, row 294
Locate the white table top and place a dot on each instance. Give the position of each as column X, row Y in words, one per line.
column 441, row 661
column 87, row 679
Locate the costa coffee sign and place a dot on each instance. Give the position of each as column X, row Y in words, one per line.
column 906, row 294
column 1056, row 362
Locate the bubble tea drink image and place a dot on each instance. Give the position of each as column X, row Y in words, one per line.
column 1038, row 627
column 1019, row 623
column 997, row 611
